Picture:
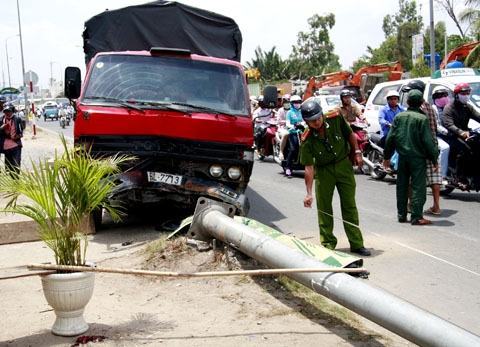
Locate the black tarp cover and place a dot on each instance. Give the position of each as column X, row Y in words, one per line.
column 162, row 24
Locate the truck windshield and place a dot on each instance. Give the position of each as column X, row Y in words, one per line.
column 168, row 80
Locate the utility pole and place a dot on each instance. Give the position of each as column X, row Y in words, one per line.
column 25, row 92
column 8, row 58
column 432, row 40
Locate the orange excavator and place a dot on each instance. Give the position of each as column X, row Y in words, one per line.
column 359, row 83
column 459, row 54
column 339, row 78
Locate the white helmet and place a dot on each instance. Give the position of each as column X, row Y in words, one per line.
column 392, row 93
column 439, row 91
column 295, row 98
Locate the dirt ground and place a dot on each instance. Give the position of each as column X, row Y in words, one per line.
column 146, row 311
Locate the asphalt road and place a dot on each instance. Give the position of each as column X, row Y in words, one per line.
column 436, row 267
column 54, row 125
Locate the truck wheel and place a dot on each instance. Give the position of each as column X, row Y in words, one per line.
column 96, row 218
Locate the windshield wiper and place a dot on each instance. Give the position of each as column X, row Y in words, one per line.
column 116, row 101
column 202, row 108
column 171, row 105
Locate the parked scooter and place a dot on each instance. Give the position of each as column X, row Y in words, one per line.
column 467, row 162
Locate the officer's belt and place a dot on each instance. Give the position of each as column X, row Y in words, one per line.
column 332, row 162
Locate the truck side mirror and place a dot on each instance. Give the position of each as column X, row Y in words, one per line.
column 73, row 82
column 270, row 96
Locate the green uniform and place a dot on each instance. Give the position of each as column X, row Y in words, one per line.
column 412, row 138
column 329, row 155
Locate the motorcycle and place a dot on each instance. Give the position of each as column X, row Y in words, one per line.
column 63, row 121
column 372, row 153
column 264, row 135
column 468, row 159
column 281, row 160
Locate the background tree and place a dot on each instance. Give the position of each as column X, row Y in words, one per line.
column 440, row 31
column 314, row 52
column 449, row 7
column 471, row 17
column 420, row 70
column 407, row 13
column 270, row 65
column 398, row 30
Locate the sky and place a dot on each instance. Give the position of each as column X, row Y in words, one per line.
column 52, row 29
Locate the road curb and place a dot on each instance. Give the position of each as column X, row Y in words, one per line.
column 27, row 231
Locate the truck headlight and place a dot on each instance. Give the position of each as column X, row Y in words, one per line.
column 234, row 173
column 216, row 171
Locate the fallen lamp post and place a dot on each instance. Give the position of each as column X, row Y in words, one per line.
column 213, row 220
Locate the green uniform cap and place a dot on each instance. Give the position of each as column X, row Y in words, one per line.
column 415, row 97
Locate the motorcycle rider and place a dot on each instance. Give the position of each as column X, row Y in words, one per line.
column 349, row 111
column 456, row 116
column 293, row 122
column 328, row 149
column 262, row 115
column 387, row 114
column 282, row 131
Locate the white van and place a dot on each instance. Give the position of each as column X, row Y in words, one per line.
column 447, row 78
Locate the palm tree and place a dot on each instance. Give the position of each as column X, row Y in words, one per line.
column 471, row 16
column 60, row 196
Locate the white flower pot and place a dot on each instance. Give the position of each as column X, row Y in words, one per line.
column 68, row 294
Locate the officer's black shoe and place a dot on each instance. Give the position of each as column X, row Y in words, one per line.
column 362, row 251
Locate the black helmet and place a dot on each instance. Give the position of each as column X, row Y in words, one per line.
column 345, row 92
column 9, row 108
column 415, row 84
column 311, row 110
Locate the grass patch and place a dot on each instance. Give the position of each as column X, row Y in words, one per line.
column 154, row 248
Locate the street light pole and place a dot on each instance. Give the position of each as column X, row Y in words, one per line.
column 8, row 63
column 23, row 61
column 432, row 40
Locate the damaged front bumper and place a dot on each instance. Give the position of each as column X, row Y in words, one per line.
column 134, row 188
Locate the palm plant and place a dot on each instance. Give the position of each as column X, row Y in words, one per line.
column 471, row 16
column 62, row 194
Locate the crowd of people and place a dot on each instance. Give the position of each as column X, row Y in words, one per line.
column 428, row 140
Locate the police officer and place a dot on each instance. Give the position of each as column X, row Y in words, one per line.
column 328, row 149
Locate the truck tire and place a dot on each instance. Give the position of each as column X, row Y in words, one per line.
column 96, row 217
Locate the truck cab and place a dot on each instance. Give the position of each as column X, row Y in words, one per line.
column 184, row 117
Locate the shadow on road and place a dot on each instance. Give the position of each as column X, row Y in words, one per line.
column 262, row 210
column 463, row 196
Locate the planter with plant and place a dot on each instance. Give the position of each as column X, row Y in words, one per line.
column 60, row 197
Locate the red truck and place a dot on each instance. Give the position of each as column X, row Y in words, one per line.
column 184, row 116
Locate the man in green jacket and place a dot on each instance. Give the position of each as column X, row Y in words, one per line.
column 412, row 138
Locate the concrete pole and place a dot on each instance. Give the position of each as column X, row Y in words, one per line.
column 8, row 59
column 395, row 314
column 432, row 40
column 25, row 92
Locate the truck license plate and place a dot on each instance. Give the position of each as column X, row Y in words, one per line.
column 161, row 177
